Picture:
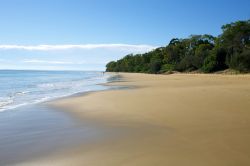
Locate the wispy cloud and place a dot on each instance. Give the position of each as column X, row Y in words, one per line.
column 38, row 61
column 65, row 57
column 136, row 48
column 45, row 61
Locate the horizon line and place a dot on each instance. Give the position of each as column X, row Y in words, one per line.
column 51, row 70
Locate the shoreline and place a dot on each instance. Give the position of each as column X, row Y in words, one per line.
column 46, row 135
column 179, row 119
column 27, row 96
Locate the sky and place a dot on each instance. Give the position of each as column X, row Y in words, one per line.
column 86, row 34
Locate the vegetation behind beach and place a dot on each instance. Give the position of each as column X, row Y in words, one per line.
column 203, row 53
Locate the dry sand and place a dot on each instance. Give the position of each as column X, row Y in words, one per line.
column 175, row 120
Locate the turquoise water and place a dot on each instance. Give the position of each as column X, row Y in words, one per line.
column 22, row 87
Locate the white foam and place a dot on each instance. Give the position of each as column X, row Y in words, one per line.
column 44, row 92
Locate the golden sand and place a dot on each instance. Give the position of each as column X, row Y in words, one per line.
column 165, row 120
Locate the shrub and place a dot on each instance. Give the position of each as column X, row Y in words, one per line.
column 215, row 61
column 209, row 64
column 241, row 61
column 167, row 67
column 155, row 66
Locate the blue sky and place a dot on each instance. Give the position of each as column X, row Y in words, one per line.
column 85, row 34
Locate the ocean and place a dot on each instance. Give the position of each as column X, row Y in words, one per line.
column 23, row 87
column 29, row 129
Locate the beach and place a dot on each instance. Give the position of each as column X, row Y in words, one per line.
column 178, row 119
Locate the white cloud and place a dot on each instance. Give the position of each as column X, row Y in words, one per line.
column 65, row 57
column 51, row 62
column 38, row 61
column 130, row 47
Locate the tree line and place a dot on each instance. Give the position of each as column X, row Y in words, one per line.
column 203, row 53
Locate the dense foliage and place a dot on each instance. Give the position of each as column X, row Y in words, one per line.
column 204, row 53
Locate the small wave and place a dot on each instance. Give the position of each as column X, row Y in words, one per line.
column 61, row 85
column 40, row 92
column 22, row 93
column 43, row 99
column 9, row 107
column 5, row 102
column 45, row 85
column 14, row 94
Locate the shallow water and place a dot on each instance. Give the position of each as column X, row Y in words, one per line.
column 37, row 130
column 24, row 87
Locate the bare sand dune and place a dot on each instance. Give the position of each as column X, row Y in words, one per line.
column 175, row 120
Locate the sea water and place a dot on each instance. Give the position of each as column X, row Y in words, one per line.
column 23, row 87
column 28, row 129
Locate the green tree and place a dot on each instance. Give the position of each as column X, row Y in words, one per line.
column 235, row 39
column 155, row 66
column 197, row 52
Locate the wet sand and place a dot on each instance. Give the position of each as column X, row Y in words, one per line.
column 176, row 120
column 33, row 131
